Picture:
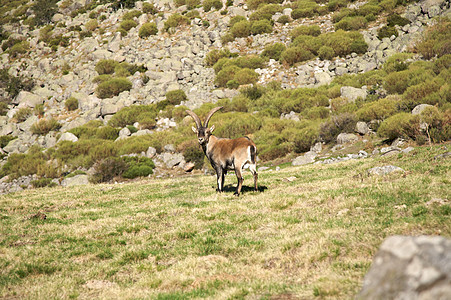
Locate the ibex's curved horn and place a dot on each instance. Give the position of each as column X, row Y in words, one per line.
column 195, row 117
column 210, row 114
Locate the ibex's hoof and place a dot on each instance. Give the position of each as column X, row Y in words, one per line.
column 236, row 194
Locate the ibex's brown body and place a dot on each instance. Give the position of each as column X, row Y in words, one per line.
column 226, row 154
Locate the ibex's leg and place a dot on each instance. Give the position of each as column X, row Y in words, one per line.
column 220, row 178
column 253, row 169
column 240, row 181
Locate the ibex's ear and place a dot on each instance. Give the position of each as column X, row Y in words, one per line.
column 212, row 128
column 194, row 129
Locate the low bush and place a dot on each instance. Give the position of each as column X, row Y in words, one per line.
column 305, row 138
column 175, row 20
column 261, row 26
column 149, row 8
column 313, row 30
column 442, row 63
column 436, row 40
column 71, row 104
column 130, row 115
column 147, row 29
column 42, row 182
column 127, row 25
column 241, row 29
column 209, row 4
column 193, row 153
column 326, row 52
column 113, row 87
column 106, row 66
column 44, row 126
column 387, row 31
column 33, row 162
column 294, row 55
column 5, row 139
column 330, row 129
column 351, row 23
column 175, row 97
column 378, row 110
column 273, row 51
column 245, row 76
column 19, row 48
column 137, row 166
column 284, row 19
column 403, row 125
column 225, row 75
column 107, row 169
column 22, row 114
column 396, row 19
column 396, row 62
column 213, row 56
column 91, row 25
column 131, row 14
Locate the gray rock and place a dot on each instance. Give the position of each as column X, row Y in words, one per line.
column 27, row 99
column 341, row 71
column 419, row 108
column 173, row 159
column 351, row 93
column 169, row 148
column 322, row 78
column 189, row 167
column 408, row 267
column 67, row 136
column 344, row 138
column 76, row 180
column 390, row 150
column 302, row 160
column 151, row 152
column 362, row 128
column 407, row 150
column 124, row 132
column 317, row 148
column 384, row 170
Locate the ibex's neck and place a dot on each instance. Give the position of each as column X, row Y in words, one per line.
column 208, row 146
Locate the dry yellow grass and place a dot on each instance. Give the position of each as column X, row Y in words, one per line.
column 313, row 236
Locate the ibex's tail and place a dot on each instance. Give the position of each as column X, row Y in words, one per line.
column 253, row 151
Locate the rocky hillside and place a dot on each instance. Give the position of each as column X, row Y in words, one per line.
column 87, row 83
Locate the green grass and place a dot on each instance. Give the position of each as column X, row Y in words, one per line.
column 177, row 238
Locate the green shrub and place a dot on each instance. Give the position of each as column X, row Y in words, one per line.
column 403, row 125
column 194, row 154
column 113, row 87
column 130, row 115
column 213, row 56
column 102, row 78
column 431, row 91
column 249, row 61
column 45, row 33
column 106, row 66
column 306, row 12
column 442, row 63
column 241, row 29
column 149, row 8
column 127, row 25
column 313, row 30
column 236, row 124
column 316, row 112
column 19, row 48
column 305, row 139
column 13, row 85
column 22, row 114
column 396, row 19
column 235, row 20
column 147, row 29
column 71, row 104
column 107, row 133
column 387, row 31
column 130, row 15
column 274, row 50
column 91, row 25
column 137, row 166
column 33, row 162
column 330, row 129
column 108, row 168
column 436, row 40
column 351, row 23
column 261, row 26
column 246, row 76
column 294, row 55
column 307, row 42
column 175, row 20
column 209, row 4
column 343, row 42
column 284, row 19
column 40, row 183
column 326, row 52
column 175, row 97
column 226, row 74
column 396, row 62
column 44, row 126
column 44, row 11
column 378, row 110
column 5, row 139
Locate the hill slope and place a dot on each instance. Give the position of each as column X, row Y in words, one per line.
column 310, row 231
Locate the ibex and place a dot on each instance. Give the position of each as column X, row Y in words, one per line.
column 226, row 154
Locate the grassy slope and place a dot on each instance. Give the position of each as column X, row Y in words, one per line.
column 177, row 238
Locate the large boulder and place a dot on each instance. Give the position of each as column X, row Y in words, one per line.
column 75, row 180
column 27, row 99
column 351, row 93
column 344, row 138
column 419, row 108
column 408, row 267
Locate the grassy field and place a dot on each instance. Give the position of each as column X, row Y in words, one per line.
column 310, row 232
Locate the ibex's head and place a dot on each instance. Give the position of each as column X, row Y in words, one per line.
column 203, row 132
